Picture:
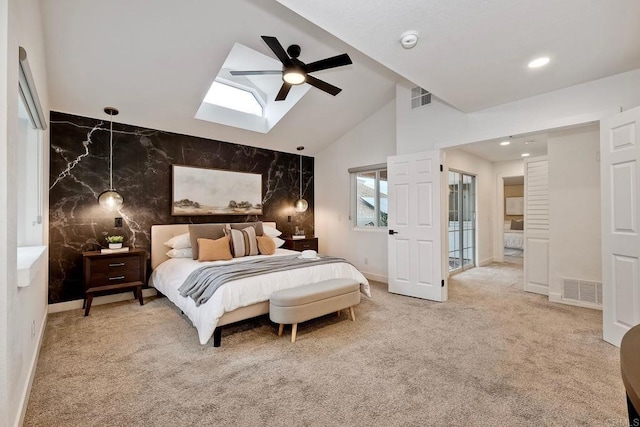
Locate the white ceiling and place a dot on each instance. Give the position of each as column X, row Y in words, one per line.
column 491, row 150
column 155, row 61
column 474, row 54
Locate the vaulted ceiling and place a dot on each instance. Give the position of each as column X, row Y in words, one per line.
column 155, row 60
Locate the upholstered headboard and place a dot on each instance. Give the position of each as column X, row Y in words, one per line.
column 162, row 233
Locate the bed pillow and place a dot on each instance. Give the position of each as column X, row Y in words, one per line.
column 180, row 241
column 266, row 245
column 271, row 232
column 180, row 253
column 243, row 242
column 517, row 225
column 214, row 250
column 204, row 231
column 242, row 225
column 278, row 241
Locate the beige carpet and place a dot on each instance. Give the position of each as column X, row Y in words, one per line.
column 492, row 355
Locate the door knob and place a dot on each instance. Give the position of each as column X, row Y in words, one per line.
column 391, row 232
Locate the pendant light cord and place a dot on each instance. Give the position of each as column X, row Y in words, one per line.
column 301, row 176
column 111, row 153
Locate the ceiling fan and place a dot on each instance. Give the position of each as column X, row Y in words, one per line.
column 296, row 72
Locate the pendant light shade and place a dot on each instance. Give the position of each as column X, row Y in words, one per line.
column 110, row 200
column 301, row 204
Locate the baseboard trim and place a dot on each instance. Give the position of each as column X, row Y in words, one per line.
column 375, row 277
column 485, row 262
column 104, row 299
column 555, row 297
column 24, row 401
column 536, row 289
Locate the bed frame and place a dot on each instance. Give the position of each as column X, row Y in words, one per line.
column 162, row 233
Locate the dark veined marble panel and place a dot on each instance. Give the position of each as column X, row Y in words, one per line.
column 142, row 163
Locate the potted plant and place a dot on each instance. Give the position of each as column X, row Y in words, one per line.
column 115, row 242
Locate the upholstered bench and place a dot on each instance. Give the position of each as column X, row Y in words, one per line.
column 295, row 305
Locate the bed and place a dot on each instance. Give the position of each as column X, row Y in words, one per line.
column 513, row 239
column 237, row 300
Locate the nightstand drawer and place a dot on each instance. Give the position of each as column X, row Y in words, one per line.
column 308, row 243
column 114, row 278
column 115, row 264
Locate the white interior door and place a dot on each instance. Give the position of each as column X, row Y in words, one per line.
column 415, row 231
column 620, row 157
column 536, row 225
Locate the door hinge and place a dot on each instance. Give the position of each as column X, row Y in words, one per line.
column 443, row 283
column 441, row 168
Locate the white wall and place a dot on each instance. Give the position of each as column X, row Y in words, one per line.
column 462, row 161
column 20, row 308
column 574, row 200
column 439, row 125
column 368, row 143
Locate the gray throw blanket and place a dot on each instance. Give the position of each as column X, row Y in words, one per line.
column 204, row 281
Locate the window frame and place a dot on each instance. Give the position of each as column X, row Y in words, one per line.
column 353, row 204
column 256, row 95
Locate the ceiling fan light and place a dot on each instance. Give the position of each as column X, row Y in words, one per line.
column 294, row 77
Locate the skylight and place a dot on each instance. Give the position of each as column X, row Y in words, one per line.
column 234, row 98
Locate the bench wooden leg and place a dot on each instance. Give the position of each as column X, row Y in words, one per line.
column 280, row 329
column 352, row 313
column 294, row 329
column 217, row 336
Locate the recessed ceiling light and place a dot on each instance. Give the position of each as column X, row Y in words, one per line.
column 528, row 142
column 539, row 62
column 505, row 143
column 525, row 154
column 409, row 39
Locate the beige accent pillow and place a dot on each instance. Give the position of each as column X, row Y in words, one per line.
column 266, row 245
column 204, row 231
column 214, row 250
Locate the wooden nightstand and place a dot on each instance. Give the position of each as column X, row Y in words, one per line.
column 300, row 244
column 113, row 272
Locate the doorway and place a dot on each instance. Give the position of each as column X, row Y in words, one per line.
column 462, row 221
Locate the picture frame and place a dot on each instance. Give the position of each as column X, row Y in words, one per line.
column 514, row 205
column 200, row 191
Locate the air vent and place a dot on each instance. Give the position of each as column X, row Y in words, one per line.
column 420, row 97
column 582, row 291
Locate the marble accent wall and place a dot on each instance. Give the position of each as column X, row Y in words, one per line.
column 142, row 162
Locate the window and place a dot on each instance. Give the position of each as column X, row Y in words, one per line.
column 234, row 98
column 30, row 166
column 370, row 204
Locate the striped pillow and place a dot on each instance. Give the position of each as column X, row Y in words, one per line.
column 243, row 242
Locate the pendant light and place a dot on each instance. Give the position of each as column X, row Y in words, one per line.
column 110, row 200
column 301, row 204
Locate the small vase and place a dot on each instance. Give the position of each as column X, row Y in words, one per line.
column 115, row 245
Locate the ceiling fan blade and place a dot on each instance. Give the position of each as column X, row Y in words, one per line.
column 254, row 73
column 284, row 91
column 322, row 85
column 334, row 61
column 277, row 48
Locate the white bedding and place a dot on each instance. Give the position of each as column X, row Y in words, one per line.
column 169, row 275
column 514, row 239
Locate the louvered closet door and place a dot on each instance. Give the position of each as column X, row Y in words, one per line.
column 536, row 225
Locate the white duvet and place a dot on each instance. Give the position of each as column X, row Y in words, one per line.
column 514, row 239
column 169, row 275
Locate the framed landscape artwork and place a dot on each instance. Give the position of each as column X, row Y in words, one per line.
column 201, row 191
column 514, row 206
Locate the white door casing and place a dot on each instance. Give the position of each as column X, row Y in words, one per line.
column 415, row 209
column 620, row 186
column 536, row 225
